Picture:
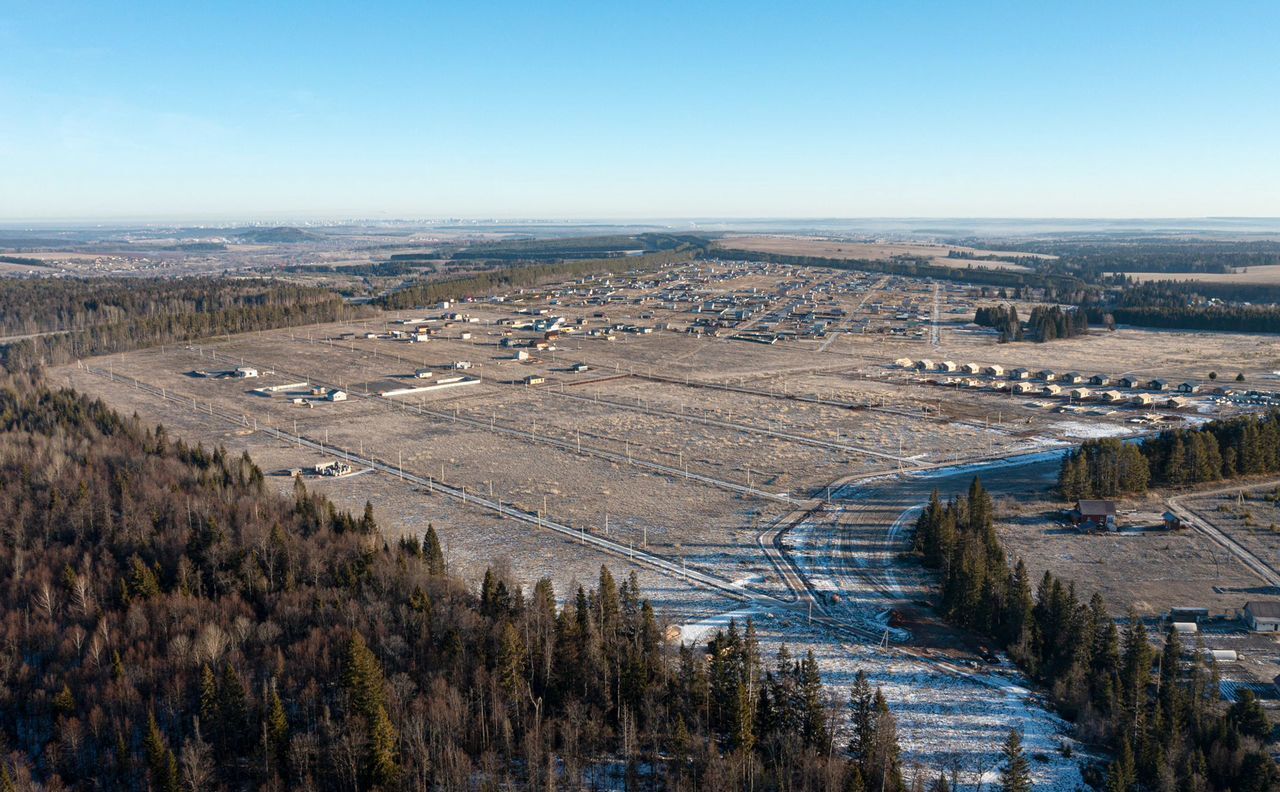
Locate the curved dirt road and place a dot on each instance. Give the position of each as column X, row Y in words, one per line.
column 849, row 552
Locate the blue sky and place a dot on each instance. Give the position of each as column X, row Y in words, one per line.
column 610, row 110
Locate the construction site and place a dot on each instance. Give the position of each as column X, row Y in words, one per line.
column 745, row 436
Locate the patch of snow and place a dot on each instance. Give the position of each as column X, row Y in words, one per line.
column 697, row 631
column 1085, row 430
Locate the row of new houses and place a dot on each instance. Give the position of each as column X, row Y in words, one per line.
column 1048, row 375
column 1077, row 394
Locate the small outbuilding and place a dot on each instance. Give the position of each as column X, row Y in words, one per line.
column 1020, row 374
column 995, row 370
column 1196, row 615
column 1099, row 380
column 1262, row 615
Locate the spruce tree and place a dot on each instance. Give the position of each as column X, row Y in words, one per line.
column 862, row 707
column 209, row 702
column 432, row 552
column 814, row 728
column 233, row 708
column 366, row 686
column 1016, row 774
column 886, row 762
column 277, row 729
column 162, row 765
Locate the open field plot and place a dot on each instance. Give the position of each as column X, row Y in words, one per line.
column 1152, row 570
column 891, row 434
column 680, row 442
column 829, row 248
column 1250, row 516
column 1263, row 275
column 473, row 538
column 710, row 527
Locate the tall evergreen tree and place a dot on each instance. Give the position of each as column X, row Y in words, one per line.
column 1015, row 776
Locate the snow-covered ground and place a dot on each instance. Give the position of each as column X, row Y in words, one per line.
column 703, row 629
column 948, row 715
column 945, row 719
column 1091, row 430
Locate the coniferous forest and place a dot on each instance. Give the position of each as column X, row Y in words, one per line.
column 66, row 319
column 1158, row 713
column 1246, row 445
column 1046, row 323
column 168, row 624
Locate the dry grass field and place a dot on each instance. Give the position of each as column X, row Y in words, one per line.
column 1151, row 570
column 1266, row 275
column 825, row 248
column 773, row 418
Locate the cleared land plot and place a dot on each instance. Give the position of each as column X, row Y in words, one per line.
column 712, row 528
column 1265, row 275
column 473, row 538
column 878, row 431
column 1253, row 521
column 825, row 248
column 1152, row 570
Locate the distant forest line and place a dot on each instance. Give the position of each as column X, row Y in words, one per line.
column 82, row 318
